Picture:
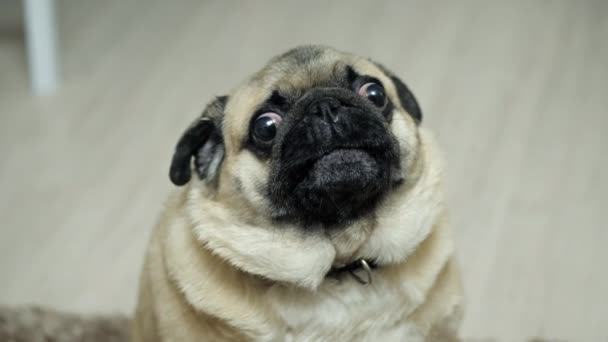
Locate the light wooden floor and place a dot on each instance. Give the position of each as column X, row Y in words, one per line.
column 516, row 91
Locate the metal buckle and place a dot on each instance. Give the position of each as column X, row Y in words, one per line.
column 368, row 271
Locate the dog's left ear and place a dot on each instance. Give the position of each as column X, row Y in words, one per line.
column 407, row 99
column 202, row 140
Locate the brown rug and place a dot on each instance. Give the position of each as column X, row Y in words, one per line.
column 44, row 325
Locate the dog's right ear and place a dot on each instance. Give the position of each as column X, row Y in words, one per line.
column 202, row 140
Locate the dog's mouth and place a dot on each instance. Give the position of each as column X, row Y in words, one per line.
column 336, row 187
column 342, row 171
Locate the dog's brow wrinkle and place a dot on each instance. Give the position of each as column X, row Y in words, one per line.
column 351, row 74
column 277, row 99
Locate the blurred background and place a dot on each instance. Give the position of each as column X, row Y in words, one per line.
column 516, row 92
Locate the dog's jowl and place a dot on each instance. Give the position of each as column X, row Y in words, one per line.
column 308, row 207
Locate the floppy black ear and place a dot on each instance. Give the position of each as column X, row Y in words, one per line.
column 203, row 141
column 407, row 99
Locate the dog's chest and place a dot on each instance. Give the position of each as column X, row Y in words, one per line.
column 346, row 311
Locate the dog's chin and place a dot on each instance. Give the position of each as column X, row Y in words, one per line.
column 339, row 187
column 341, row 171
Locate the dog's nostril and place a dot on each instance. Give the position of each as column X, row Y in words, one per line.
column 326, row 108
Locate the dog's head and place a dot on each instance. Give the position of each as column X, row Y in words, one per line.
column 318, row 141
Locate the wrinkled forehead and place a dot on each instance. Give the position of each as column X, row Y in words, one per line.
column 291, row 75
column 295, row 73
column 302, row 69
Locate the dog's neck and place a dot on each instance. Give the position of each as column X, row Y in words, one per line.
column 290, row 255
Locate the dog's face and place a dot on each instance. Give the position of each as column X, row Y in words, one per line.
column 313, row 161
column 311, row 139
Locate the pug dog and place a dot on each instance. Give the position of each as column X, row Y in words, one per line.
column 309, row 207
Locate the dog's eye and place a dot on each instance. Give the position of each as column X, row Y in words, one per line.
column 375, row 93
column 265, row 127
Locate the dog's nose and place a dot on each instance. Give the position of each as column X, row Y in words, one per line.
column 326, row 108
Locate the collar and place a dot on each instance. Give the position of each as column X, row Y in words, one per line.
column 356, row 269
